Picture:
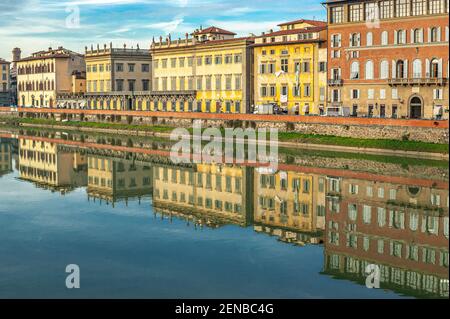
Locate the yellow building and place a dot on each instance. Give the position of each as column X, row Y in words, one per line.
column 290, row 205
column 213, row 65
column 45, row 74
column 115, row 76
column 215, row 194
column 290, row 67
column 46, row 165
column 114, row 180
column 4, row 83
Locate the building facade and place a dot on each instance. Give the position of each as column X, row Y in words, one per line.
column 115, row 77
column 290, row 67
column 213, row 68
column 45, row 74
column 388, row 58
column 5, row 99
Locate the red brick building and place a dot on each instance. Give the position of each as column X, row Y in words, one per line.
column 388, row 58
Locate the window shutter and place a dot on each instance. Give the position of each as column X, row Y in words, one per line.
column 332, row 41
column 411, row 36
column 339, row 40
column 350, row 40
column 359, row 39
column 405, row 69
column 394, row 69
column 427, row 68
column 439, row 34
column 421, row 36
column 435, row 94
column 429, row 35
column 440, row 68
column 395, row 37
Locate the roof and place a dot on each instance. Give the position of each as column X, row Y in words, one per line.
column 50, row 54
column 315, row 23
column 214, row 30
column 3, row 61
column 294, row 31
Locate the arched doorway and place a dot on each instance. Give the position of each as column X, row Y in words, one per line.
column 415, row 107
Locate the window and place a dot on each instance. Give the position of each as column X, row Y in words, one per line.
column 336, row 41
column 131, row 67
column 369, row 39
column 417, row 69
column 238, row 58
column 119, row 67
column 371, row 11
column 337, row 14
column 367, row 214
column 419, row 7
column 369, row 70
column 400, row 37
column 370, row 94
column 208, row 60
column 387, row 9
column 355, row 94
column 434, row 34
column 417, row 36
column 354, row 70
column 355, row 40
column 384, row 69
column 356, row 12
column 402, row 8
column 436, row 6
column 218, row 59
column 384, row 38
column 285, row 65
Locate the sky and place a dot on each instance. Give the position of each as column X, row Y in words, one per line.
column 35, row 25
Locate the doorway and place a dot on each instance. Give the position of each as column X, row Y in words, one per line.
column 415, row 108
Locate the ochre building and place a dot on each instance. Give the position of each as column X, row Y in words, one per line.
column 290, row 67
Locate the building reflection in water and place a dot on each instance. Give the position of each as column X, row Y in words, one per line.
column 290, row 205
column 361, row 219
column 118, row 179
column 44, row 164
column 206, row 194
column 6, row 165
column 401, row 228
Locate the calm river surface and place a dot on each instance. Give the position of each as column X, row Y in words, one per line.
column 139, row 226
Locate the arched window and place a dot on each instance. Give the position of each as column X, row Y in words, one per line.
column 369, row 39
column 417, row 38
column 434, row 34
column 417, row 69
column 384, row 38
column 384, row 69
column 434, row 68
column 354, row 70
column 369, row 70
column 354, row 40
column 401, row 37
column 400, row 66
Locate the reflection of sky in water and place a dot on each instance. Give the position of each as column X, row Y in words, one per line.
column 126, row 252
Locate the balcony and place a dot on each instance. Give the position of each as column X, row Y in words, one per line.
column 335, row 82
column 418, row 81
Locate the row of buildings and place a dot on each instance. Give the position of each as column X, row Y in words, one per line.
column 397, row 223
column 370, row 59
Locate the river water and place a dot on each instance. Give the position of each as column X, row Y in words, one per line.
column 139, row 226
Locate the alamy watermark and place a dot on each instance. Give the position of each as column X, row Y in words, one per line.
column 226, row 146
column 73, row 279
column 73, row 17
column 373, row 276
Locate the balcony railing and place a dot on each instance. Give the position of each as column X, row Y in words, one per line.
column 419, row 81
column 335, row 82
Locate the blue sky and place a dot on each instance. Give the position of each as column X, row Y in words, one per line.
column 34, row 25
